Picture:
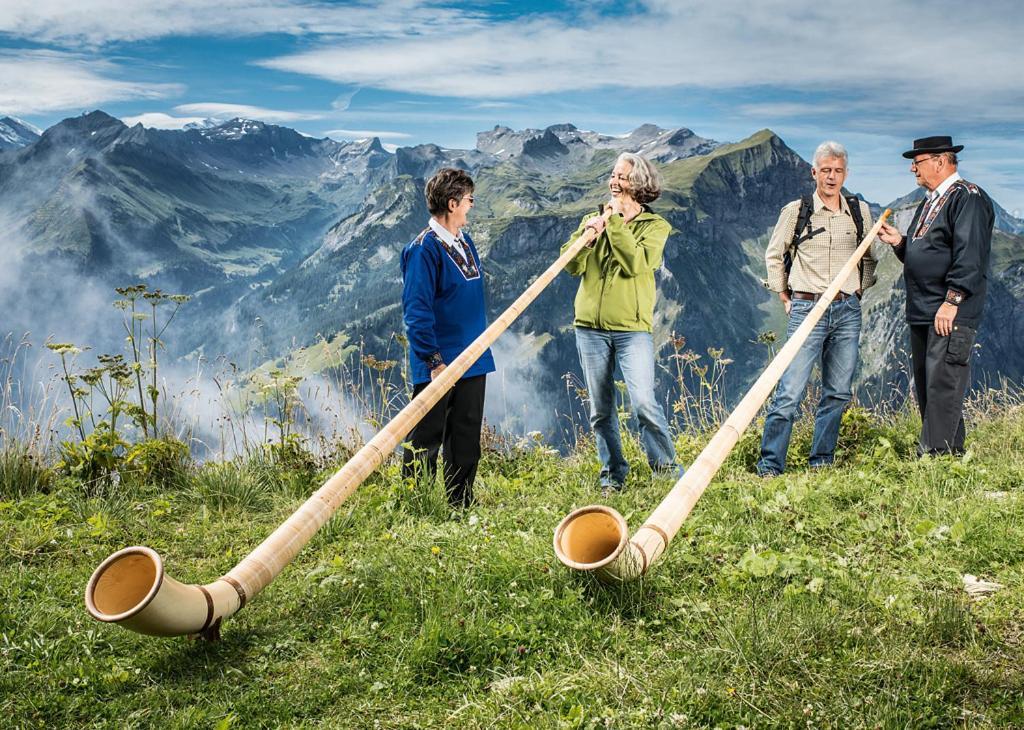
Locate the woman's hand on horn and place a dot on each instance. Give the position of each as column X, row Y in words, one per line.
column 598, row 224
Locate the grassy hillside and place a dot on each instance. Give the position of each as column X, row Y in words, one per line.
column 825, row 599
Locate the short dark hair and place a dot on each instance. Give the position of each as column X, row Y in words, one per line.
column 447, row 184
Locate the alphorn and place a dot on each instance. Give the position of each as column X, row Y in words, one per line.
column 596, row 539
column 131, row 588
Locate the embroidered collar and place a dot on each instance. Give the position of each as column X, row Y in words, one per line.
column 457, row 250
column 445, row 235
column 935, row 202
column 945, row 185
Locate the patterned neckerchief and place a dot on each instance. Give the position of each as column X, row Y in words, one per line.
column 457, row 250
column 466, row 263
column 453, row 240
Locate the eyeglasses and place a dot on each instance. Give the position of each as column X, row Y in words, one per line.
column 915, row 163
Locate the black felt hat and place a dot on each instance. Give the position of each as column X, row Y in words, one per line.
column 932, row 144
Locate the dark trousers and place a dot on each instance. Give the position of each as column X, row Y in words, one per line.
column 942, row 372
column 454, row 423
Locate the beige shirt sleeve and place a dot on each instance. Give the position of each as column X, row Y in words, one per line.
column 780, row 241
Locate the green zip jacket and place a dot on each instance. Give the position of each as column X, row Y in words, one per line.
column 617, row 288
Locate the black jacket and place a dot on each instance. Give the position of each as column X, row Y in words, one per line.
column 951, row 253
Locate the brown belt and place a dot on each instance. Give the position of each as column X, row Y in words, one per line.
column 807, row 296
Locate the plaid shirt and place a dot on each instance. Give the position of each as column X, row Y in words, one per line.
column 819, row 259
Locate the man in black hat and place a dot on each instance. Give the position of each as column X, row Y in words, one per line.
column 945, row 264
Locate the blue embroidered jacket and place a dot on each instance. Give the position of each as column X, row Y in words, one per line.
column 443, row 304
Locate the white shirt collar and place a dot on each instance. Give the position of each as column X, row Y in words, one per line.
column 944, row 186
column 445, row 235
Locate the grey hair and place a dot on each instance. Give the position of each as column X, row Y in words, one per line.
column 644, row 179
column 830, row 149
column 950, row 157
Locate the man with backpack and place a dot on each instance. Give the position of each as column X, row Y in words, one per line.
column 813, row 238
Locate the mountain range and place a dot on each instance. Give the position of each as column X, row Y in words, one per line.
column 283, row 239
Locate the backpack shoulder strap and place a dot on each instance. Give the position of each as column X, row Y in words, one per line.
column 858, row 216
column 803, row 218
column 858, row 221
column 803, row 221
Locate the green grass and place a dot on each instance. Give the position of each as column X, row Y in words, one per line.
column 22, row 472
column 824, row 599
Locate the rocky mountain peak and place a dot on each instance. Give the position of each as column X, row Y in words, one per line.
column 207, row 123
column 94, row 121
column 16, row 133
column 565, row 131
column 502, row 142
column 646, row 130
column 234, row 129
column 666, row 145
column 544, row 146
column 94, row 130
column 568, row 142
column 680, row 136
column 255, row 132
column 1006, row 221
column 420, row 161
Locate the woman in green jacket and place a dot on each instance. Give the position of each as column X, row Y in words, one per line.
column 614, row 315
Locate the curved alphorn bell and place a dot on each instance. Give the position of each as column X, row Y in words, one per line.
column 595, row 539
column 130, row 587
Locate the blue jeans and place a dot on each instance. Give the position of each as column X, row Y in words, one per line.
column 599, row 351
column 834, row 343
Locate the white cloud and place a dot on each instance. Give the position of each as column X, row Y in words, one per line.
column 728, row 44
column 97, row 22
column 159, row 120
column 37, row 82
column 960, row 56
column 217, row 110
column 787, row 109
column 344, row 101
column 365, row 134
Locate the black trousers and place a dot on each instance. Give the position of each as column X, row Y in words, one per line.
column 942, row 372
column 454, row 423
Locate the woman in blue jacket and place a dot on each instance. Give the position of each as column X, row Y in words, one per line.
column 444, row 311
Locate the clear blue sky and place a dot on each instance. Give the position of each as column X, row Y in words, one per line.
column 873, row 75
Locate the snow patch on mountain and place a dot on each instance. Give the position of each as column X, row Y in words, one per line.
column 16, row 133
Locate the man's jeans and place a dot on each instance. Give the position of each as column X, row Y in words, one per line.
column 833, row 342
column 634, row 352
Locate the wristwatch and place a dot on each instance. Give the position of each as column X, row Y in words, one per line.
column 954, row 297
column 435, row 361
